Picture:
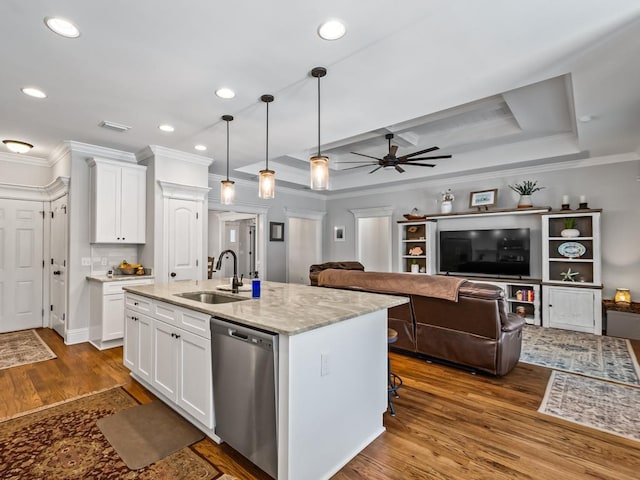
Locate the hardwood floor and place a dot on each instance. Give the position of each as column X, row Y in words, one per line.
column 450, row 424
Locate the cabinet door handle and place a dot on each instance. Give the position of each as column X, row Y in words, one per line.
column 118, row 238
column 57, row 272
column 135, row 303
column 177, row 336
column 173, row 274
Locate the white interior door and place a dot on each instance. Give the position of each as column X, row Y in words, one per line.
column 305, row 248
column 184, row 239
column 58, row 272
column 373, row 244
column 21, row 257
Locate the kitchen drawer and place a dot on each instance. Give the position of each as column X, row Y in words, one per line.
column 166, row 312
column 138, row 303
column 194, row 322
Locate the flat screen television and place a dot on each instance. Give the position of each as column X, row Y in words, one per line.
column 497, row 252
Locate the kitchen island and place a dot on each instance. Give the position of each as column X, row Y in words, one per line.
column 331, row 363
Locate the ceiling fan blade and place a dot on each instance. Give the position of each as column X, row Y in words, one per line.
column 427, row 158
column 359, row 166
column 368, row 162
column 368, row 156
column 376, row 169
column 393, row 150
column 400, row 170
column 420, row 152
column 420, row 164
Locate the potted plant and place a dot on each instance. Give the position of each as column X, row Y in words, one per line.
column 526, row 189
column 447, row 201
column 570, row 230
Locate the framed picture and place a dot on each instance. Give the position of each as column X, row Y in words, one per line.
column 276, row 231
column 484, row 198
column 338, row 233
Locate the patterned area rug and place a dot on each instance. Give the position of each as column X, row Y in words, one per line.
column 20, row 348
column 606, row 406
column 598, row 356
column 64, row 442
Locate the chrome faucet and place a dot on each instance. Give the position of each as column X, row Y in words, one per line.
column 235, row 283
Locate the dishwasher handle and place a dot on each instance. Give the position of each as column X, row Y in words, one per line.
column 236, row 334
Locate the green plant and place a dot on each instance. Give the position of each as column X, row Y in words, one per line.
column 569, row 223
column 526, row 188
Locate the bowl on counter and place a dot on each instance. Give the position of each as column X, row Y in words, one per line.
column 128, row 271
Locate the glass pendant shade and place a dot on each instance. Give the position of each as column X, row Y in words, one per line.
column 319, row 172
column 227, row 192
column 319, row 164
column 267, row 184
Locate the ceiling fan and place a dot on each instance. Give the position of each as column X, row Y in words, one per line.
column 390, row 159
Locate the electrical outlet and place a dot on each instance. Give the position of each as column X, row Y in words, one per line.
column 324, row 364
column 86, row 261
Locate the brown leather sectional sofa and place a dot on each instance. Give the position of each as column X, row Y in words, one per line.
column 475, row 331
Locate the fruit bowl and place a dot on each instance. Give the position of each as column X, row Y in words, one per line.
column 128, row 270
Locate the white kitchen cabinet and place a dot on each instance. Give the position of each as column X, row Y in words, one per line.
column 137, row 353
column 118, row 199
column 107, row 311
column 178, row 342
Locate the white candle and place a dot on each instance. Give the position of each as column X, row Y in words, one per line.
column 583, row 199
column 565, row 199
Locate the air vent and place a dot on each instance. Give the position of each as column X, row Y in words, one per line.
column 117, row 127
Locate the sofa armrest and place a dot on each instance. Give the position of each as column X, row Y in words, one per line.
column 512, row 322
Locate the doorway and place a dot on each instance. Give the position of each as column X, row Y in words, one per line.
column 58, row 270
column 21, row 264
column 304, row 248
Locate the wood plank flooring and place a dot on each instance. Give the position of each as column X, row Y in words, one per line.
column 450, row 424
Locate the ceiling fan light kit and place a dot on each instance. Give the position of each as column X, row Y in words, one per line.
column 319, row 164
column 227, row 187
column 267, row 179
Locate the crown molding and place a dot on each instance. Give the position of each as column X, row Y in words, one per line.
column 183, row 192
column 302, row 213
column 156, row 150
column 47, row 193
column 70, row 147
column 480, row 177
column 92, row 161
column 372, row 212
column 23, row 159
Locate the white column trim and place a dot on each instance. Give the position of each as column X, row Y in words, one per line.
column 183, row 192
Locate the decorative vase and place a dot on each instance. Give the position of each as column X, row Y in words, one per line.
column 570, row 233
column 415, row 268
column 446, row 206
column 525, row 201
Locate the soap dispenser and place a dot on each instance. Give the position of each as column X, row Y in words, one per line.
column 255, row 286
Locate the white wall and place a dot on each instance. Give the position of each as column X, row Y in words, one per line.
column 611, row 186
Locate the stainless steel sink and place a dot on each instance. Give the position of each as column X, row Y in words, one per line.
column 209, row 297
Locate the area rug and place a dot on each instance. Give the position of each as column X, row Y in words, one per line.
column 606, row 406
column 21, row 348
column 146, row 433
column 598, row 356
column 64, row 442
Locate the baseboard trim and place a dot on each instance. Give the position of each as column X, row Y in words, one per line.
column 79, row 335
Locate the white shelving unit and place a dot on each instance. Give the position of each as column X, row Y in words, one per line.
column 572, row 302
column 529, row 302
column 417, row 234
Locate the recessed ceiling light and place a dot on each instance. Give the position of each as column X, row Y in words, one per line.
column 200, row 148
column 166, row 128
column 332, row 30
column 585, row 118
column 16, row 146
column 62, row 27
column 225, row 93
column 33, row 92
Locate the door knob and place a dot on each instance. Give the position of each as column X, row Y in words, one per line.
column 173, row 274
column 57, row 272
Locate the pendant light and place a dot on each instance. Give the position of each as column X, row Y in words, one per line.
column 227, row 187
column 267, row 181
column 319, row 164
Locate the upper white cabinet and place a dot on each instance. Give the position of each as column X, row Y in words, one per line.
column 118, row 199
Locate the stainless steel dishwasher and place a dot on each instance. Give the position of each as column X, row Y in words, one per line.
column 244, row 391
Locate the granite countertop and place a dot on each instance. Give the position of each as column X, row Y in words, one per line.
column 283, row 308
column 117, row 278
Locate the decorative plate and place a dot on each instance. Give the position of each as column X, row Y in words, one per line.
column 571, row 249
